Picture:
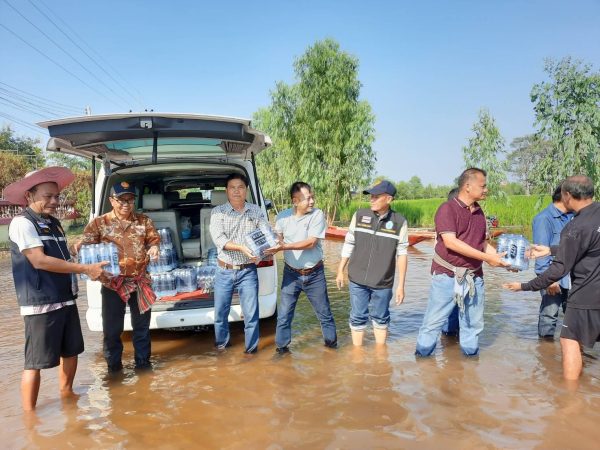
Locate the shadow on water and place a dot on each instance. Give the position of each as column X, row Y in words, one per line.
column 512, row 396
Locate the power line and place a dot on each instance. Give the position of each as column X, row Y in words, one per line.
column 25, row 102
column 55, row 63
column 22, row 108
column 23, row 123
column 84, row 52
column 52, row 103
column 66, row 52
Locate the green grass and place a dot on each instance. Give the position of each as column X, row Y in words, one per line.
column 518, row 211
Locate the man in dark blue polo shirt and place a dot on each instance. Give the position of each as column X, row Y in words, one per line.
column 547, row 226
column 457, row 275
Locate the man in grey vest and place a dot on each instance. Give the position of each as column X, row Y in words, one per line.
column 44, row 281
column 375, row 245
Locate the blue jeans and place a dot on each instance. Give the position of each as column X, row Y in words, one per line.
column 451, row 326
column 315, row 288
column 361, row 297
column 549, row 308
column 440, row 306
column 246, row 283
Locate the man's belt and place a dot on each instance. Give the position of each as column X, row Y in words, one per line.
column 224, row 265
column 305, row 271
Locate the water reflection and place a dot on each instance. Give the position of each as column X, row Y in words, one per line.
column 512, row 396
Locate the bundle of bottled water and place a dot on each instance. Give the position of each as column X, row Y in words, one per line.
column 185, row 279
column 205, row 278
column 516, row 247
column 164, row 284
column 261, row 239
column 95, row 253
column 167, row 256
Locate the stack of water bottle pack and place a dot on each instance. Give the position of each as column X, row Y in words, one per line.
column 95, row 253
column 164, row 279
column 516, row 247
column 261, row 239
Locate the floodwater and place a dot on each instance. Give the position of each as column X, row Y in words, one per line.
column 512, row 396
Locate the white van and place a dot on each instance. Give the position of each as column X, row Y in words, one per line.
column 179, row 163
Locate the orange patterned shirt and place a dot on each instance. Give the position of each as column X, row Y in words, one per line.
column 132, row 237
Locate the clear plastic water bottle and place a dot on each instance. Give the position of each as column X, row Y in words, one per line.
column 85, row 257
column 211, row 257
column 113, row 253
column 156, row 285
column 521, row 258
column 269, row 234
column 502, row 243
column 170, row 287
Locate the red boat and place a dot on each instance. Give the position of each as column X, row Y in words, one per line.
column 414, row 236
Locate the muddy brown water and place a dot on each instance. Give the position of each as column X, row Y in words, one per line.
column 512, row 396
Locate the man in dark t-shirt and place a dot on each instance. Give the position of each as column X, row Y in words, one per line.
column 577, row 254
column 457, row 275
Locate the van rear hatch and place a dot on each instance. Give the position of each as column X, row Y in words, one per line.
column 129, row 138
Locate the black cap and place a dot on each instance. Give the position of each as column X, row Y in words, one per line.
column 122, row 187
column 383, row 187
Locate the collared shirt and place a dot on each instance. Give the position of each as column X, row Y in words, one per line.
column 578, row 253
column 299, row 228
column 547, row 226
column 468, row 225
column 132, row 237
column 227, row 224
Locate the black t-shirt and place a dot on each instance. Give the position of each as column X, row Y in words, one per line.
column 579, row 254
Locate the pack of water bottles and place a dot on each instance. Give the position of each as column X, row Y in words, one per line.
column 211, row 257
column 95, row 253
column 516, row 247
column 164, row 284
column 167, row 256
column 205, row 278
column 261, row 239
column 185, row 279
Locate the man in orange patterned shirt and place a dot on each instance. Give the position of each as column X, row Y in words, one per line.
column 137, row 241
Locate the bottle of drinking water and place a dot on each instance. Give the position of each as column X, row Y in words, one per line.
column 156, row 285
column 502, row 243
column 113, row 253
column 85, row 257
column 521, row 258
column 170, row 287
column 269, row 234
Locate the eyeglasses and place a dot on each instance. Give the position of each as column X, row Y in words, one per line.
column 130, row 201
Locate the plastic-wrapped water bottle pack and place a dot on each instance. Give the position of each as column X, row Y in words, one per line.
column 94, row 253
column 516, row 247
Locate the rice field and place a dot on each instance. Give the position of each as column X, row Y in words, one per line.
column 515, row 211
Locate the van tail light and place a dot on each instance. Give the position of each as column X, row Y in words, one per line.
column 266, row 263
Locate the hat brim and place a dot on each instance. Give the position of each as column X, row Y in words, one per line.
column 15, row 192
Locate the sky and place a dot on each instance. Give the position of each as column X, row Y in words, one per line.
column 426, row 68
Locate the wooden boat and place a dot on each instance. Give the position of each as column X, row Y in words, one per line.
column 414, row 236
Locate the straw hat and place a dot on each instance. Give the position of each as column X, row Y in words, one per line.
column 15, row 192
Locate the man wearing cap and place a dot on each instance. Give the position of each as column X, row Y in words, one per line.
column 457, row 275
column 44, row 282
column 137, row 241
column 375, row 245
column 301, row 229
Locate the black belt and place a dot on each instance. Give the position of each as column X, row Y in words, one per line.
column 305, row 271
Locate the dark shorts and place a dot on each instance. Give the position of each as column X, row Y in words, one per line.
column 582, row 325
column 50, row 336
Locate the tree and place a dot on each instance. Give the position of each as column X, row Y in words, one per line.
column 70, row 161
column 528, row 151
column 483, row 151
column 25, row 148
column 12, row 168
column 80, row 192
column 322, row 129
column 567, row 111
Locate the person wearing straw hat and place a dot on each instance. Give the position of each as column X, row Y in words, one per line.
column 44, row 281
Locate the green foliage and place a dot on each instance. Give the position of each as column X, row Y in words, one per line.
column 483, row 151
column 528, row 151
column 12, row 168
column 70, row 161
column 567, row 111
column 25, row 148
column 322, row 132
column 420, row 213
column 80, row 192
